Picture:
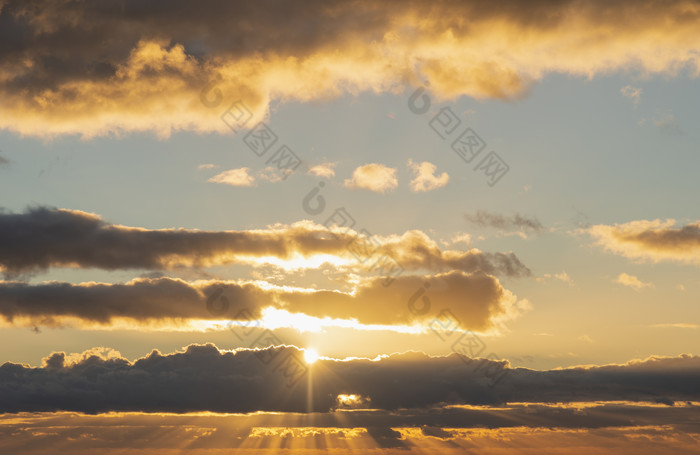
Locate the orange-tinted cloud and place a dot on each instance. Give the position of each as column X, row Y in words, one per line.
column 653, row 240
column 90, row 68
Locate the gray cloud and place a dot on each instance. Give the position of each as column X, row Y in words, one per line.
column 203, row 378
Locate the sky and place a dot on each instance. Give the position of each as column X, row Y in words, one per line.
column 348, row 226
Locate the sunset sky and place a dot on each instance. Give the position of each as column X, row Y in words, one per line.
column 341, row 226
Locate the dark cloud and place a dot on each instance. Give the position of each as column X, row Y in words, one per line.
column 162, row 299
column 483, row 218
column 204, row 379
column 111, row 66
column 43, row 237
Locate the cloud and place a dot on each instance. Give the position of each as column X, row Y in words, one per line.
column 424, row 178
column 374, row 177
column 202, row 378
column 4, row 161
column 235, row 177
column 666, row 123
column 415, row 250
column 44, row 237
column 633, row 93
column 55, row 304
column 88, row 68
column 477, row 300
column 485, row 219
column 325, row 170
column 632, row 282
column 207, row 166
column 653, row 240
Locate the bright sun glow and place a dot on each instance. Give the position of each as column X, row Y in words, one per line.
column 310, row 355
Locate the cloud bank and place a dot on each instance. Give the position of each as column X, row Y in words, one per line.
column 96, row 68
column 202, row 378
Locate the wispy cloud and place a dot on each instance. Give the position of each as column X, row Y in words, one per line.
column 518, row 223
column 667, row 124
column 633, row 93
column 562, row 276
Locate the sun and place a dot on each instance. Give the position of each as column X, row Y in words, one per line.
column 310, row 355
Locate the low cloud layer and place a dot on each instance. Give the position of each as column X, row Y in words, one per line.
column 96, row 68
column 653, row 240
column 42, row 237
column 204, row 379
column 603, row 429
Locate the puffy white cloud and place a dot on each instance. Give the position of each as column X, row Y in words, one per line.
column 374, row 177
